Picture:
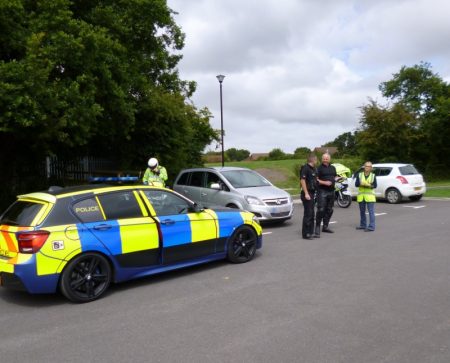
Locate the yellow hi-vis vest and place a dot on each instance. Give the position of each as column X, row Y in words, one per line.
column 365, row 193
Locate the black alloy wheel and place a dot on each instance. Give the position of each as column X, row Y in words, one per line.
column 242, row 245
column 86, row 278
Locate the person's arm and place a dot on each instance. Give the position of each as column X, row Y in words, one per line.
column 146, row 175
column 374, row 184
column 163, row 174
column 357, row 181
column 305, row 189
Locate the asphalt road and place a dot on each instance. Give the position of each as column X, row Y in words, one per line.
column 347, row 297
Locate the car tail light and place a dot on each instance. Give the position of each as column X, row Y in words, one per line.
column 402, row 179
column 31, row 242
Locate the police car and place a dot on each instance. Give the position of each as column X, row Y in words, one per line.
column 79, row 240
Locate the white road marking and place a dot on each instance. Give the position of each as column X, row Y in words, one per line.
column 414, row 206
column 379, row 214
column 267, row 232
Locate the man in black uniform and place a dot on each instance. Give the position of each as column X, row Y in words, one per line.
column 308, row 176
column 326, row 176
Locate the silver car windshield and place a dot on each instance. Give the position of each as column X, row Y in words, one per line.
column 245, row 179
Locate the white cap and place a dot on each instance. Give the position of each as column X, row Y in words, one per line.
column 152, row 163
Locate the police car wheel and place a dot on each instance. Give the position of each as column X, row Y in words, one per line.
column 86, row 278
column 242, row 245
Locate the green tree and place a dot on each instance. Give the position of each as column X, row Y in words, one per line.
column 427, row 96
column 387, row 133
column 277, row 154
column 346, row 143
column 301, row 152
column 234, row 154
column 95, row 77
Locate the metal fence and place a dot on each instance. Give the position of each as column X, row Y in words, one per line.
column 56, row 171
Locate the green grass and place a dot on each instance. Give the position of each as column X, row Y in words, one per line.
column 438, row 189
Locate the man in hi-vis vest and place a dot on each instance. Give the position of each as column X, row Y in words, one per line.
column 367, row 182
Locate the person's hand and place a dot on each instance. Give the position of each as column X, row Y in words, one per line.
column 307, row 197
column 327, row 183
column 156, row 171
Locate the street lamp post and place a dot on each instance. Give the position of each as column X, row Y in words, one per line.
column 220, row 78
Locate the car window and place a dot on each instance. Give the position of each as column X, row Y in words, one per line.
column 212, row 178
column 120, row 205
column 385, row 171
column 408, row 170
column 196, row 179
column 88, row 210
column 245, row 179
column 183, row 179
column 166, row 203
column 21, row 213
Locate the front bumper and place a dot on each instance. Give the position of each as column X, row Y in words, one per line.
column 272, row 213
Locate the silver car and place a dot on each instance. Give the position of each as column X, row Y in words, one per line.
column 235, row 188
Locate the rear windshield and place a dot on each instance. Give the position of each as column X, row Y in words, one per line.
column 21, row 213
column 245, row 179
column 408, row 170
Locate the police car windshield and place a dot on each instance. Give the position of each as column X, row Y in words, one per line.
column 245, row 179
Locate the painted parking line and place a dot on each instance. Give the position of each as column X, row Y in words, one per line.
column 267, row 233
column 414, row 206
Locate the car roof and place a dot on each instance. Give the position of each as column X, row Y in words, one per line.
column 217, row 168
column 390, row 165
column 55, row 193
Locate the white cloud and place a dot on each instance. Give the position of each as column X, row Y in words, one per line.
column 297, row 71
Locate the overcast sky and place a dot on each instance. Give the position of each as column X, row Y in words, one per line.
column 297, row 71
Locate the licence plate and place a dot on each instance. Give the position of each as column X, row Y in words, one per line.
column 417, row 188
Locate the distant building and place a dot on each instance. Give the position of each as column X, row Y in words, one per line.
column 257, row 156
column 326, row 149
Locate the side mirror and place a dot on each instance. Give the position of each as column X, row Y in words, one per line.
column 195, row 208
column 216, row 186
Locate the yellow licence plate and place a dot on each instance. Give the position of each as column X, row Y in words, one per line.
column 417, row 188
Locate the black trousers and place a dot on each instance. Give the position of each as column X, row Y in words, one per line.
column 308, row 215
column 325, row 202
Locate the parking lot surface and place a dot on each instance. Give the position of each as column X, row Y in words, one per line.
column 347, row 297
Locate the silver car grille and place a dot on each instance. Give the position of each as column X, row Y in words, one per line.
column 279, row 201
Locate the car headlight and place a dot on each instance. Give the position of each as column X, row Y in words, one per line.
column 253, row 200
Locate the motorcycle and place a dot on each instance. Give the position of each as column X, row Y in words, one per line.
column 342, row 194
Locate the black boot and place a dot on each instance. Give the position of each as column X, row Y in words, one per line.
column 326, row 229
column 317, row 232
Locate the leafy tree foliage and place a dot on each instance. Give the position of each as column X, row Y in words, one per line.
column 416, row 127
column 96, row 77
column 277, row 154
column 427, row 96
column 388, row 133
column 346, row 143
column 234, row 154
column 301, row 152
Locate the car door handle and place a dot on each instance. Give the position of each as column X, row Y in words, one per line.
column 102, row 227
column 168, row 222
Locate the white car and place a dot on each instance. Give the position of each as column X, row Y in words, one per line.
column 394, row 182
